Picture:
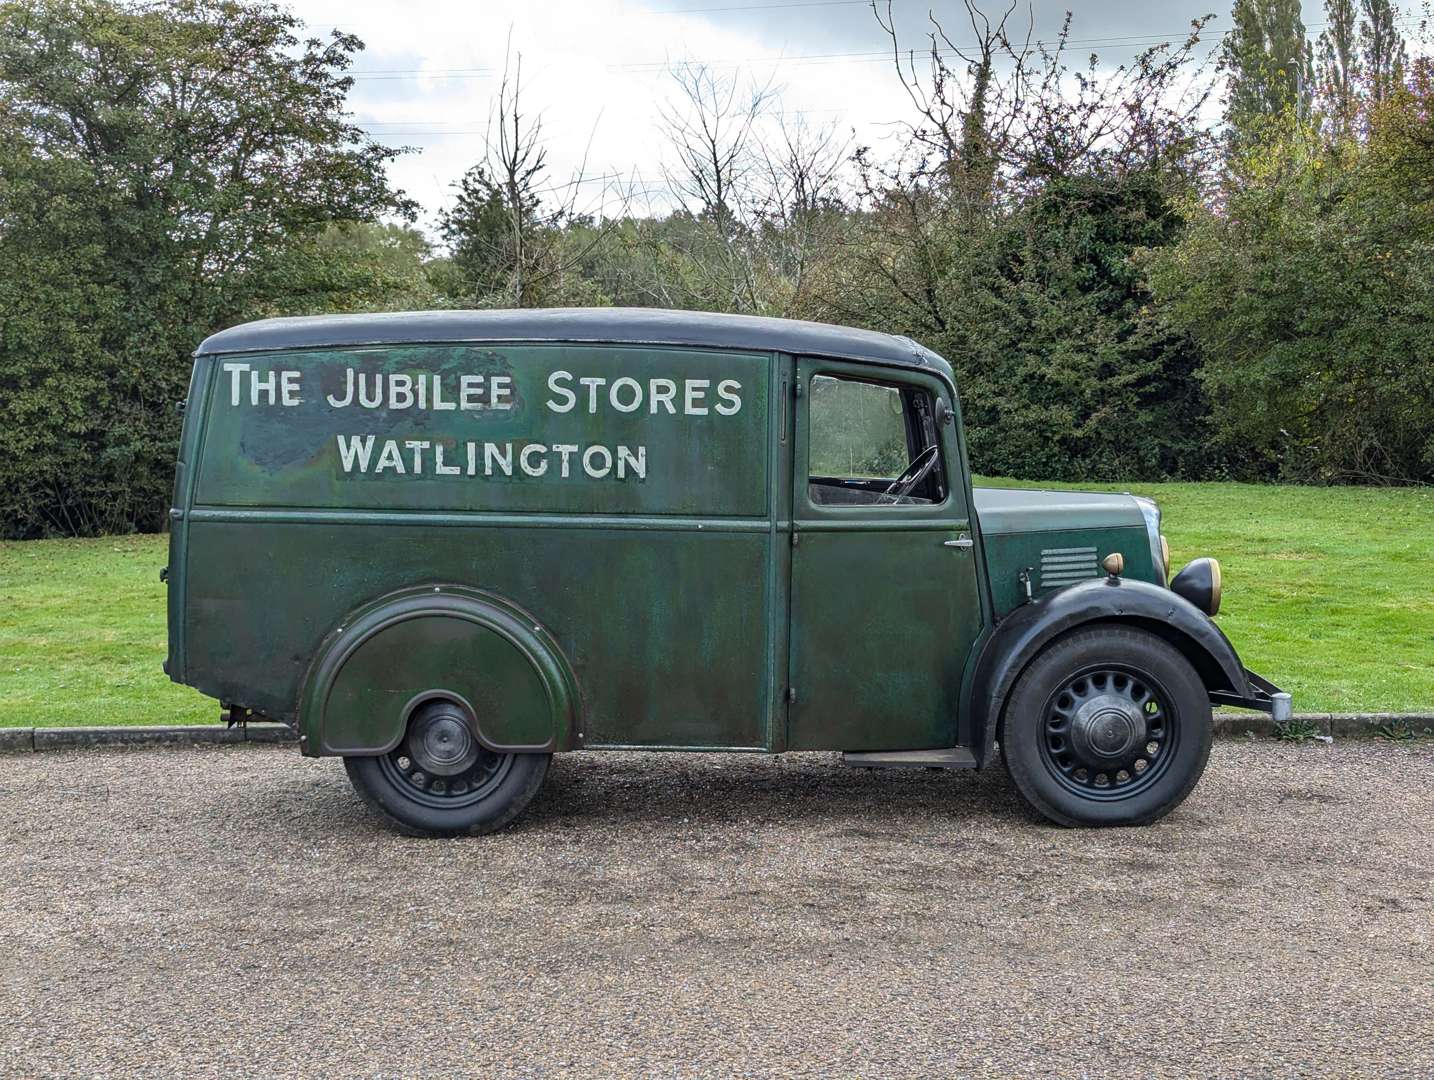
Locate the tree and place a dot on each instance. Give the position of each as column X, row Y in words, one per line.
column 1382, row 46
column 714, row 169
column 351, row 266
column 1266, row 62
column 1362, row 62
column 156, row 162
column 1339, row 67
column 1310, row 297
column 803, row 214
column 505, row 228
column 479, row 229
column 1006, row 239
column 955, row 108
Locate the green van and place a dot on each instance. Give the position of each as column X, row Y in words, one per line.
column 445, row 546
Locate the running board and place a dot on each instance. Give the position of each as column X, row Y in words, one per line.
column 952, row 757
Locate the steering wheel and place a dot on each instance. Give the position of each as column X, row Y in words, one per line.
column 918, row 470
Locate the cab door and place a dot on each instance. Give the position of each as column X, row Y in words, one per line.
column 885, row 600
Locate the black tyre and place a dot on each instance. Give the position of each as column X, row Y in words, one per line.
column 1108, row 726
column 440, row 782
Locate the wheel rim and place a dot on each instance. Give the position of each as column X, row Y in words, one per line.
column 441, row 764
column 1108, row 733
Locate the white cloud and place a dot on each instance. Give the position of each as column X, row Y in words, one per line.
column 594, row 69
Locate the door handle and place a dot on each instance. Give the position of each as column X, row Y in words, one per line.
column 962, row 541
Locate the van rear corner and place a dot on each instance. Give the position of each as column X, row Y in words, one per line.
column 193, row 409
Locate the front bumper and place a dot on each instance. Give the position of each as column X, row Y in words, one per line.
column 1263, row 695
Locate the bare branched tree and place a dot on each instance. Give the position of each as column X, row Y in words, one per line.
column 962, row 115
column 710, row 128
column 1008, row 109
column 506, row 227
column 516, row 158
column 802, row 167
column 996, row 119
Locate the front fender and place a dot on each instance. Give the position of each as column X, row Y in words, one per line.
column 1030, row 628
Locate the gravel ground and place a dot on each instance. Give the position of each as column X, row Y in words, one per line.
column 230, row 911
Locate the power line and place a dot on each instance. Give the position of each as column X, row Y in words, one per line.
column 1116, row 41
column 1128, row 41
column 351, row 27
column 658, row 66
column 411, row 128
column 758, row 7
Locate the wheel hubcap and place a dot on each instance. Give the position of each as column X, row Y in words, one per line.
column 1107, row 727
column 1108, row 733
column 442, row 743
column 441, row 763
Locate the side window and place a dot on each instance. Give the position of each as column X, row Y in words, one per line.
column 872, row 444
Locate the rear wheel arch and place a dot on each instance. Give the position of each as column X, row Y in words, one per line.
column 431, row 642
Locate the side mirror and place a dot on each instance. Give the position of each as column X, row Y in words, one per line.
column 943, row 414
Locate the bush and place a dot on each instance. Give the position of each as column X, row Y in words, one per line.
column 1310, row 294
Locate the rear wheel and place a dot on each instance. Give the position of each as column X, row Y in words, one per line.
column 440, row 781
column 1108, row 726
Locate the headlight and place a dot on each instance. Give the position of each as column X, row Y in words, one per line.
column 1200, row 584
column 1159, row 552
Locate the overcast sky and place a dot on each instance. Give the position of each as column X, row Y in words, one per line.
column 597, row 70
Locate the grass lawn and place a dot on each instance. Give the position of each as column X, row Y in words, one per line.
column 1327, row 592
column 82, row 635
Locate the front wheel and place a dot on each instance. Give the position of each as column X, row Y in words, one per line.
column 1108, row 726
column 439, row 781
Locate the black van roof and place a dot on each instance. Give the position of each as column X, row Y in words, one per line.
column 636, row 326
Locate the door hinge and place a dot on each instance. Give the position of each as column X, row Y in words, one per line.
column 791, row 695
column 797, row 388
column 796, row 537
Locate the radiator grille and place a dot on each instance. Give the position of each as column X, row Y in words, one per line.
column 1066, row 566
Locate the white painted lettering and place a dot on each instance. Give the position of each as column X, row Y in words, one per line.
column 594, row 384
column 565, row 451
column 470, row 391
column 696, row 392
column 731, row 402
column 355, row 451
column 569, row 398
column 289, row 388
column 502, row 391
column 638, row 462
column 389, row 458
column 592, row 470
column 625, row 382
column 438, row 466
column 525, row 459
column 501, row 455
column 347, row 399
column 662, row 392
column 267, row 386
column 365, row 399
column 417, row 446
column 236, row 372
column 399, row 385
